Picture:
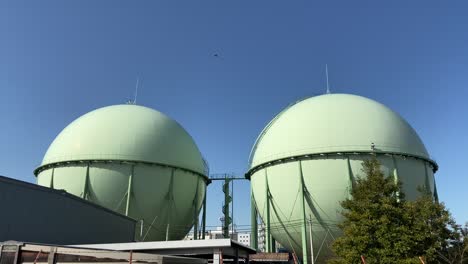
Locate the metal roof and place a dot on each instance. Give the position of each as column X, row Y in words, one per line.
column 175, row 244
column 60, row 193
column 180, row 247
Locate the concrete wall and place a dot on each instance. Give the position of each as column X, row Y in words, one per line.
column 38, row 214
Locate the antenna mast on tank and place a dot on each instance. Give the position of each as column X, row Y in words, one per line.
column 326, row 74
column 136, row 90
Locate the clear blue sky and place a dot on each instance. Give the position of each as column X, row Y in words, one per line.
column 61, row 59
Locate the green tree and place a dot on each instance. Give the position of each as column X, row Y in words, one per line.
column 431, row 226
column 457, row 250
column 381, row 225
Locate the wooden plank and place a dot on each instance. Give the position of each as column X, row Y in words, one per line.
column 265, row 257
column 17, row 255
column 51, row 259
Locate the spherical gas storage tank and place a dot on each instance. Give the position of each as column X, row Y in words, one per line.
column 309, row 155
column 133, row 160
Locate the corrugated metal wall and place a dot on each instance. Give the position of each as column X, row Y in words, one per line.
column 32, row 213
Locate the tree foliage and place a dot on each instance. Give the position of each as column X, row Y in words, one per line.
column 457, row 250
column 381, row 225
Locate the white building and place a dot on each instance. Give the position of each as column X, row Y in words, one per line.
column 261, row 237
column 241, row 237
column 244, row 238
column 214, row 234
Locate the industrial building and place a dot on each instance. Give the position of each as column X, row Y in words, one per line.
column 42, row 215
column 18, row 252
column 138, row 169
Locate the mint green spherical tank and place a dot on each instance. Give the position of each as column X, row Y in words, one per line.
column 133, row 160
column 309, row 155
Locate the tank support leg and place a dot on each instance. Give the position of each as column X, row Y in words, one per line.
column 195, row 213
column 395, row 175
column 267, row 216
column 129, row 191
column 51, row 184
column 350, row 177
column 167, row 231
column 85, row 187
column 170, row 201
column 303, row 214
column 204, row 217
column 273, row 245
column 195, row 230
column 312, row 256
column 253, row 222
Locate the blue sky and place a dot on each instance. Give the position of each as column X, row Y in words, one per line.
column 61, row 59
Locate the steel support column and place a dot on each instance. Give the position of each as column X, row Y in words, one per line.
column 395, row 175
column 195, row 229
column 303, row 214
column 51, row 184
column 168, row 228
column 129, row 190
column 350, row 177
column 170, row 201
column 204, row 216
column 253, row 222
column 195, row 213
column 267, row 216
column 312, row 257
column 86, row 187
